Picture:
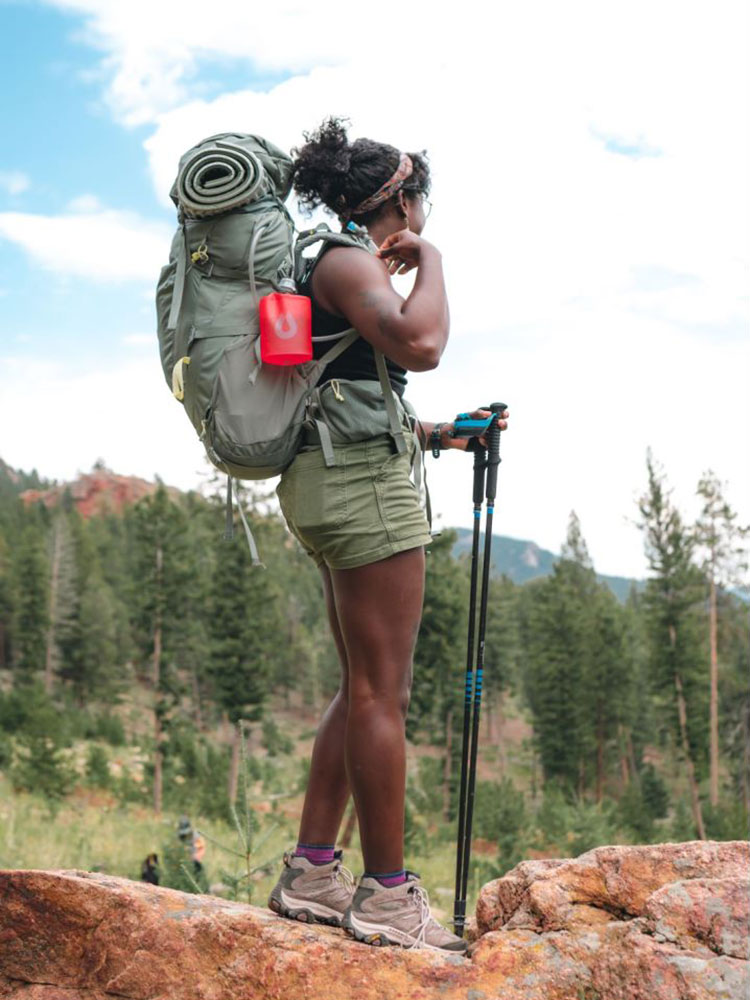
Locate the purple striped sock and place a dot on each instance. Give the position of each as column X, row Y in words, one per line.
column 316, row 854
column 388, row 879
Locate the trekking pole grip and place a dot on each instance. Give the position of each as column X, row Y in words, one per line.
column 493, row 450
column 480, row 467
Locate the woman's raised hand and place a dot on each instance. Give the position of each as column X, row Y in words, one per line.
column 401, row 251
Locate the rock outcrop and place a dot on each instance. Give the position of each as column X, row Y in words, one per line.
column 100, row 491
column 661, row 922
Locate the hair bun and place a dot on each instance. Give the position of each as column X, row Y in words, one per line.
column 322, row 165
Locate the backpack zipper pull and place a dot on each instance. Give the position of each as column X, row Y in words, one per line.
column 336, row 386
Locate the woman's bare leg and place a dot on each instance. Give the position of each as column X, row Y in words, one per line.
column 327, row 787
column 379, row 608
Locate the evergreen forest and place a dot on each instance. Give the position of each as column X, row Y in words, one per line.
column 149, row 671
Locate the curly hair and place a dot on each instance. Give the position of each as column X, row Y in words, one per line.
column 331, row 171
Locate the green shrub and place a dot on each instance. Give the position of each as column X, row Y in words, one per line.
column 6, row 751
column 654, row 791
column 726, row 821
column 28, row 709
column 110, row 729
column 634, row 816
column 97, row 767
column 553, row 817
column 574, row 827
column 500, row 815
column 273, row 739
column 177, row 870
column 681, row 826
column 40, row 767
column 127, row 790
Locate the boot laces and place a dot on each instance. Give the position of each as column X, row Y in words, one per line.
column 343, row 876
column 426, row 919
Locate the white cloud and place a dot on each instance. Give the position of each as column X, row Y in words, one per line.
column 14, row 182
column 101, row 244
column 139, row 339
column 123, row 413
column 85, row 203
column 602, row 289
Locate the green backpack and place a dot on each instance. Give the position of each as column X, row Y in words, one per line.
column 235, row 243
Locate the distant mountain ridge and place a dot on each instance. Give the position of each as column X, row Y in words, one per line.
column 522, row 561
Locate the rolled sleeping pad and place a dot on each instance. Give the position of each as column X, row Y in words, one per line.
column 218, row 178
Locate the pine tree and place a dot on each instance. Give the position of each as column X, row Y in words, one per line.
column 160, row 577
column 722, row 544
column 436, row 704
column 608, row 679
column 90, row 666
column 502, row 644
column 6, row 602
column 246, row 634
column 30, row 587
column 672, row 593
column 556, row 624
column 63, row 594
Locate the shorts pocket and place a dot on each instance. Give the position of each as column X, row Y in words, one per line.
column 313, row 497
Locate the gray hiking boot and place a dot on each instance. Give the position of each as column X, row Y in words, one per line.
column 313, row 893
column 399, row 915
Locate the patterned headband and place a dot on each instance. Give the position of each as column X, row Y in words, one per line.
column 403, row 172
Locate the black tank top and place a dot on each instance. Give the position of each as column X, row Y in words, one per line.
column 357, row 363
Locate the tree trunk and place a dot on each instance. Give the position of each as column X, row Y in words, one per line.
column 351, row 822
column 623, row 756
column 694, row 797
column 746, row 759
column 234, row 764
column 499, row 734
column 631, row 758
column 54, row 582
column 714, row 711
column 599, row 759
column 682, row 716
column 448, row 766
column 196, row 699
column 156, row 680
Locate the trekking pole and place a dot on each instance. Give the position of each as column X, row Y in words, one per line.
column 480, row 467
column 492, row 462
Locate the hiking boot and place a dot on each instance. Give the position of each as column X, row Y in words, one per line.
column 399, row 915
column 314, row 894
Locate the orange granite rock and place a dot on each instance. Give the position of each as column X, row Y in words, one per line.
column 616, row 924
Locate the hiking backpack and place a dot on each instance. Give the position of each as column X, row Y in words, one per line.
column 235, row 243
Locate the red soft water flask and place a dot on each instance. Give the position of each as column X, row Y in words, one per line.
column 285, row 329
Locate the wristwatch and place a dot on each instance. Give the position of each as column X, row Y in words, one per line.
column 435, row 440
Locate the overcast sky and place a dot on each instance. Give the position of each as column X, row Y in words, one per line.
column 590, row 165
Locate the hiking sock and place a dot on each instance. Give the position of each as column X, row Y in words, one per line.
column 316, row 854
column 388, row 879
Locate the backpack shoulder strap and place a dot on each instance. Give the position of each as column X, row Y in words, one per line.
column 353, row 236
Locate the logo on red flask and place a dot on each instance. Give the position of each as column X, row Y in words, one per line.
column 285, row 329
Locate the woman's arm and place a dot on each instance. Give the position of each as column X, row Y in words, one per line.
column 412, row 332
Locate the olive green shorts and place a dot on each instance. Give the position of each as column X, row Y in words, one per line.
column 363, row 509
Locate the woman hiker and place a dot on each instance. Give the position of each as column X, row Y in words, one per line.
column 362, row 522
